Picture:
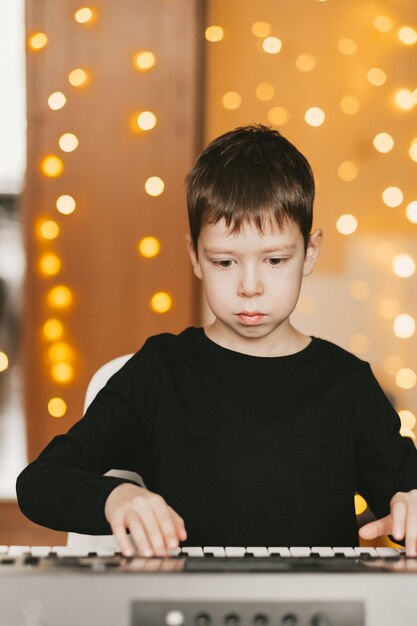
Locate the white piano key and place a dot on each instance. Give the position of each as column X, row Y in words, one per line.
column 300, row 551
column 282, row 551
column 235, row 551
column 323, row 551
column 366, row 550
column 4, row 549
column 349, row 552
column 40, row 550
column 383, row 552
column 257, row 551
column 101, row 552
column 18, row 550
column 62, row 550
column 174, row 551
column 214, row 550
column 192, row 551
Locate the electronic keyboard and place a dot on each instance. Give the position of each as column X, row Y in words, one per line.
column 208, row 586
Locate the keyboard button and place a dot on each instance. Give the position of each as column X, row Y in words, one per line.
column 366, row 550
column 214, row 551
column 192, row 551
column 348, row 552
column 235, row 551
column 18, row 550
column 40, row 550
column 281, row 551
column 257, row 551
column 300, row 552
column 324, row 552
column 387, row 552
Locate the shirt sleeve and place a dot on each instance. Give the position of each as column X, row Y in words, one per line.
column 64, row 488
column 386, row 462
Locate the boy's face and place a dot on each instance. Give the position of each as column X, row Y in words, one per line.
column 252, row 280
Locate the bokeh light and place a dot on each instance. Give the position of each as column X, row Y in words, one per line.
column 52, row 166
column 278, row 116
column 56, row 100
column 407, row 35
column 60, row 297
column 347, row 46
column 305, row 62
column 68, row 142
column 146, row 120
column 144, row 60
column 53, row 329
column 412, row 151
column 404, row 98
column 57, row 407
column 389, row 308
column 376, row 76
column 393, row 363
column 83, row 15
column 383, row 142
column 66, row 204
column 49, row 229
column 60, row 351
column 37, row 41
column 149, row 247
column 77, row 77
column 4, row 361
column 408, row 419
column 161, row 302
column 382, row 23
column 265, row 92
column 350, row 105
column 411, row 212
column 347, row 171
column 385, row 251
column 62, row 373
column 404, row 326
column 214, row 33
column 315, row 116
column 231, row 100
column 392, row 196
column 49, row 264
column 406, row 378
column 261, row 29
column 360, row 504
column 272, row 45
column 403, row 265
column 154, row 186
column 347, row 224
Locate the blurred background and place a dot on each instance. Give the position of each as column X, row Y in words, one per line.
column 104, row 108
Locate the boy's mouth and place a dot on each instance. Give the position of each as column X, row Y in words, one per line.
column 251, row 319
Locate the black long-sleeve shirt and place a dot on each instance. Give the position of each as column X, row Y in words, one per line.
column 248, row 450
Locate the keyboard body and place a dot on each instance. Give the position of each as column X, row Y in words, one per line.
column 210, row 586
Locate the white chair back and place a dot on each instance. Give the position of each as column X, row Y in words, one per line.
column 97, row 382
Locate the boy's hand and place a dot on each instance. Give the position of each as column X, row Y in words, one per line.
column 155, row 527
column 401, row 522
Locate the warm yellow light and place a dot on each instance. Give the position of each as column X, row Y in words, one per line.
column 161, row 302
column 272, row 45
column 49, row 264
column 392, row 196
column 49, row 229
column 412, row 151
column 411, row 212
column 57, row 407
column 408, row 419
column 389, row 308
column 261, row 29
column 144, row 60
column 359, row 343
column 315, row 116
column 62, row 372
column 406, row 378
column 278, row 116
column 149, row 247
column 154, row 186
column 4, row 361
column 406, row 432
column 347, row 224
column 306, row 305
column 407, row 35
column 376, row 76
column 393, row 363
column 68, row 142
column 404, row 326
column 305, row 63
column 265, row 91
column 214, row 33
column 347, row 171
column 52, row 166
column 385, row 251
column 383, row 23
column 77, row 77
column 53, row 329
column 383, row 142
column 360, row 290
column 60, row 351
column 66, row 204
column 347, row 46
column 404, row 99
column 37, row 41
column 84, row 15
column 360, row 504
column 59, row 297
column 56, row 100
column 146, row 120
column 349, row 105
column 231, row 100
column 403, row 265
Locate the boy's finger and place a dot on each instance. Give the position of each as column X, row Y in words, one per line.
column 411, row 533
column 179, row 525
column 123, row 541
column 377, row 528
column 153, row 532
column 399, row 514
column 139, row 534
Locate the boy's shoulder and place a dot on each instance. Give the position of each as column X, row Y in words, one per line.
column 335, row 357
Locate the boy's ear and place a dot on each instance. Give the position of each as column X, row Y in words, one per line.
column 313, row 251
column 193, row 257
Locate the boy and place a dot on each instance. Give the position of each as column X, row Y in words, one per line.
column 246, row 432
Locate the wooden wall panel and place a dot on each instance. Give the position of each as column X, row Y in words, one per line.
column 110, row 282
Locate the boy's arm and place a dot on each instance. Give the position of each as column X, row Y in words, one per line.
column 386, row 468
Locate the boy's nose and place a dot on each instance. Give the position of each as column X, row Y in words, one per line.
column 250, row 285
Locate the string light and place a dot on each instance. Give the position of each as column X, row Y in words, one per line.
column 347, row 171
column 347, row 46
column 404, row 98
column 146, row 120
column 278, row 116
column 52, row 166
column 376, row 76
column 382, row 23
column 149, row 247
column 37, row 41
column 60, row 297
column 77, row 77
column 305, row 63
column 161, row 302
column 60, row 351
column 84, row 15
column 403, row 265
column 347, row 224
column 154, row 186
column 53, row 329
column 62, row 373
column 406, row 378
column 314, row 116
column 383, row 142
column 407, row 35
column 66, row 204
column 57, row 407
column 349, row 105
column 412, row 151
column 404, row 326
column 272, row 45
column 49, row 264
column 408, row 419
column 4, row 361
column 261, row 29
column 411, row 212
column 68, row 142
column 56, row 100
column 144, row 60
column 214, row 33
column 231, row 100
column 265, row 92
column 49, row 229
column 392, row 196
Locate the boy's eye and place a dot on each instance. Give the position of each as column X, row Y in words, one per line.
column 225, row 263
column 275, row 261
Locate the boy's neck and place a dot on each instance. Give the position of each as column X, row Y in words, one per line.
column 283, row 343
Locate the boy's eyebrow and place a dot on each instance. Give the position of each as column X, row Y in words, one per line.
column 281, row 247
